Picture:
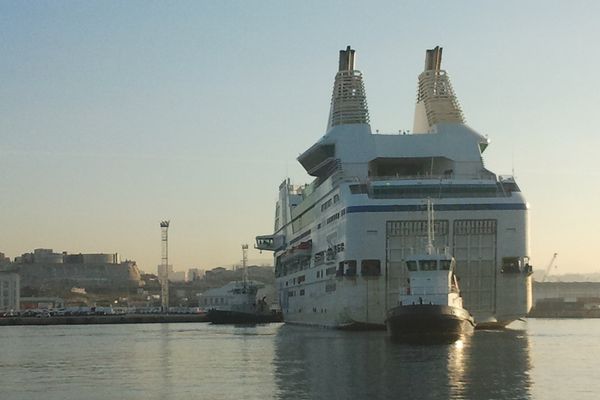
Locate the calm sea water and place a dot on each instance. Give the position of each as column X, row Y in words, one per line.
column 539, row 359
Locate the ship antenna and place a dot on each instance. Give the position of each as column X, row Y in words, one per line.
column 245, row 263
column 512, row 161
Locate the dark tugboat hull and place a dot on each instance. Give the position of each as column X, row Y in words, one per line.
column 428, row 321
column 241, row 318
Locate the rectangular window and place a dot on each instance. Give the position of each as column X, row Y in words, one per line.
column 301, row 292
column 370, row 267
column 347, row 268
column 511, row 264
column 358, row 189
column 411, row 265
column 340, row 270
column 334, row 217
column 319, row 258
column 428, row 265
column 326, row 205
column 445, row 264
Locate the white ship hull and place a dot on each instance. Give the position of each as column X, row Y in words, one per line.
column 368, row 230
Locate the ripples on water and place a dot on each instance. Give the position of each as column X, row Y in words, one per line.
column 541, row 359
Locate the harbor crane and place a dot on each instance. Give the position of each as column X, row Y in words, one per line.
column 163, row 275
column 549, row 267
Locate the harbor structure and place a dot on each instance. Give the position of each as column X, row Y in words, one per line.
column 164, row 277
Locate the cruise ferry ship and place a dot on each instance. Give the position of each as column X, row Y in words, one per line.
column 340, row 242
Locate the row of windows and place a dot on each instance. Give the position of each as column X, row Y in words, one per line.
column 450, row 191
column 330, row 287
column 334, row 217
column 348, row 268
column 344, row 268
column 326, row 205
column 411, row 228
column 330, row 202
column 215, row 301
column 322, row 310
column 367, row 268
column 442, row 227
column 298, row 280
column 327, row 272
column 428, row 265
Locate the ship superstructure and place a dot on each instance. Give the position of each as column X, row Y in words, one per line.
column 340, row 243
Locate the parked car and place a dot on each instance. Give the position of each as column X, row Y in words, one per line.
column 29, row 313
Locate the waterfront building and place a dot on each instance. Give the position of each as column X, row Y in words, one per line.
column 3, row 259
column 195, row 274
column 565, row 291
column 51, row 271
column 9, row 291
column 174, row 276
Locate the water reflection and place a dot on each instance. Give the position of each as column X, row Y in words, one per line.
column 319, row 364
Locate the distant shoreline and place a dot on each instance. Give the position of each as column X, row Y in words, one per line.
column 102, row 319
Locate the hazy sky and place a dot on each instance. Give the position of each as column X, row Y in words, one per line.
column 115, row 115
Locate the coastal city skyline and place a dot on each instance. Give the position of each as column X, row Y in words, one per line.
column 196, row 115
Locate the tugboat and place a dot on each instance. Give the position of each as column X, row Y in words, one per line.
column 431, row 306
column 236, row 303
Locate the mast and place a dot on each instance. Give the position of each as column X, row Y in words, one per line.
column 430, row 230
column 245, row 264
column 164, row 279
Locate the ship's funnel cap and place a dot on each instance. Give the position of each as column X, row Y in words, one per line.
column 347, row 59
column 348, row 101
column 433, row 59
column 436, row 101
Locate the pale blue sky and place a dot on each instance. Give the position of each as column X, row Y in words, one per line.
column 115, row 115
